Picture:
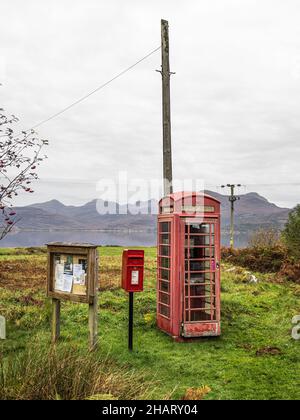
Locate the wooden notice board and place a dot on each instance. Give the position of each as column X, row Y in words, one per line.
column 72, row 271
column 72, row 275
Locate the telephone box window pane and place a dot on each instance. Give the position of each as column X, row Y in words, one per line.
column 165, row 251
column 200, row 290
column 165, row 239
column 164, row 286
column 199, row 228
column 164, row 298
column 165, row 274
column 198, row 277
column 207, row 290
column 198, row 265
column 165, row 226
column 164, row 310
column 197, row 291
column 197, row 303
column 165, row 262
column 187, row 315
column 212, row 228
column 200, row 316
column 197, row 253
column 200, row 240
column 211, row 301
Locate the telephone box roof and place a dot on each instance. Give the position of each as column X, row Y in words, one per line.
column 177, row 196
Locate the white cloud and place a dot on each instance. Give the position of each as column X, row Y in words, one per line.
column 235, row 95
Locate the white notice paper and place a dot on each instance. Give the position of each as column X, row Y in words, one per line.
column 78, row 274
column 134, row 277
column 77, row 269
column 59, row 276
column 68, row 283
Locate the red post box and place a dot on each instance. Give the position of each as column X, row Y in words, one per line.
column 133, row 270
column 132, row 281
column 188, row 283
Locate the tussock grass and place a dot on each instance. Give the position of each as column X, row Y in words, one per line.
column 65, row 373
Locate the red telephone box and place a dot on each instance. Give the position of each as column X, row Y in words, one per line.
column 188, row 284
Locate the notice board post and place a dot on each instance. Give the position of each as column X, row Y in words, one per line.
column 73, row 276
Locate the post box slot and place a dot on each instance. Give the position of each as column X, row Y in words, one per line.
column 135, row 261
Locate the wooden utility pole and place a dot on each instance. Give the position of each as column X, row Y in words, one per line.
column 232, row 198
column 166, row 108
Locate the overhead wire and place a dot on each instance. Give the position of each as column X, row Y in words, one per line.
column 103, row 85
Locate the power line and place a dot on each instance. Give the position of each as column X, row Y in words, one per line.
column 95, row 90
column 274, row 184
column 93, row 181
column 260, row 185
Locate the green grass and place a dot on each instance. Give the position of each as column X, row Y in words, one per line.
column 254, row 316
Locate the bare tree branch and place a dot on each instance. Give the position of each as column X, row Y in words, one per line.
column 20, row 156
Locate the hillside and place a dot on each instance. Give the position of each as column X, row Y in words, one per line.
column 252, row 211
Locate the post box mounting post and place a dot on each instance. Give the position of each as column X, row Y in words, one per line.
column 130, row 323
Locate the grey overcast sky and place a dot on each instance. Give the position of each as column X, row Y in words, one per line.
column 235, row 95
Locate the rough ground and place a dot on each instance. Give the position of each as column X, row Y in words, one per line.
column 255, row 358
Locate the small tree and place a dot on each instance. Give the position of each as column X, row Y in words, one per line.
column 291, row 232
column 20, row 154
column 265, row 238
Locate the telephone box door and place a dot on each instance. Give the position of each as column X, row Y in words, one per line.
column 201, row 280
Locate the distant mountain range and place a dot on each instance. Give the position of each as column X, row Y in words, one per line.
column 252, row 211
